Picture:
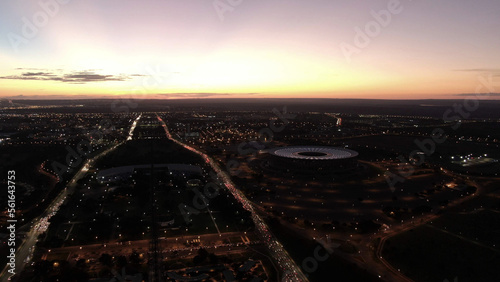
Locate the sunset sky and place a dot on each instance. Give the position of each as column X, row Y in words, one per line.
column 253, row 48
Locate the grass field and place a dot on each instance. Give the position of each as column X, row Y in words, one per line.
column 466, row 246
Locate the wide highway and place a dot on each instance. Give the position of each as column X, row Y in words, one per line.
column 288, row 267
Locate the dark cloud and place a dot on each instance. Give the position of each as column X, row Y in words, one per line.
column 89, row 76
column 489, row 72
column 493, row 70
column 200, row 95
column 37, row 74
column 484, row 71
column 156, row 96
column 58, row 97
column 75, row 77
column 479, row 94
column 31, row 69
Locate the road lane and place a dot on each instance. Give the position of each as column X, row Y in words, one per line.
column 40, row 224
column 287, row 266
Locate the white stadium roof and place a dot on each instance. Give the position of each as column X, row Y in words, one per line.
column 314, row 153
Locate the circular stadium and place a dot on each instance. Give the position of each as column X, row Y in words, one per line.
column 313, row 159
